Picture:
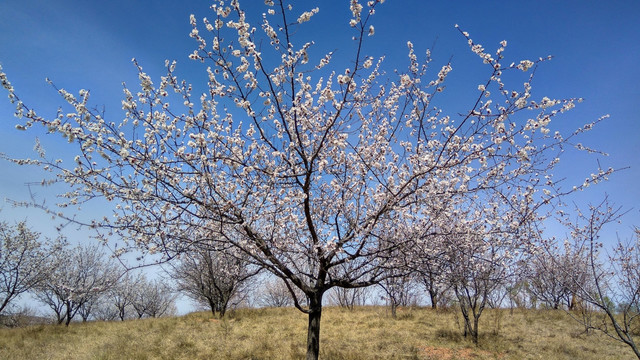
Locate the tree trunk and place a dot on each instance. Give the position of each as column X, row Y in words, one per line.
column 474, row 332
column 434, row 299
column 313, row 331
column 467, row 326
column 5, row 302
column 68, row 315
column 212, row 305
column 465, row 317
column 224, row 303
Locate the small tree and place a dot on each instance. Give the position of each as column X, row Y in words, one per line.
column 153, row 298
column 123, row 294
column 547, row 283
column 399, row 286
column 24, row 261
column 615, row 281
column 87, row 309
column 275, row 293
column 105, row 310
column 76, row 279
column 474, row 274
column 349, row 298
column 430, row 268
column 480, row 262
column 24, row 316
column 214, row 277
column 554, row 275
column 519, row 295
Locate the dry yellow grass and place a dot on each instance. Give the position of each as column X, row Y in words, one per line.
column 366, row 333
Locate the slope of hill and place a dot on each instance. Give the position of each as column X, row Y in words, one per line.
column 365, row 333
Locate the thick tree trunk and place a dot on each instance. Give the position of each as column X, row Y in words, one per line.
column 313, row 331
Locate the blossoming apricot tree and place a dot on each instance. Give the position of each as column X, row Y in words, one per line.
column 307, row 170
column 24, row 261
column 75, row 280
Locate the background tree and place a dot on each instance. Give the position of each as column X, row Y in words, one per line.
column 481, row 261
column 311, row 166
column 153, row 298
column 274, row 293
column 24, row 316
column 430, row 268
column 105, row 310
column 77, row 278
column 616, row 281
column 473, row 278
column 400, row 289
column 398, row 282
column 553, row 274
column 349, row 298
column 123, row 294
column 23, row 261
column 518, row 292
column 547, row 283
column 214, row 276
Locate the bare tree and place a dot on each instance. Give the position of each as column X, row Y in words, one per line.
column 553, row 274
column 153, row 298
column 519, row 294
column 87, row 309
column 547, row 283
column 311, row 167
column 51, row 299
column 611, row 282
column 399, row 287
column 214, row 276
column 76, row 279
column 430, row 269
column 105, row 310
column 23, row 261
column 349, row 298
column 123, row 294
column 274, row 293
column 24, row 316
column 432, row 278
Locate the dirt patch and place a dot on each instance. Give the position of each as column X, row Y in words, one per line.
column 443, row 353
column 438, row 353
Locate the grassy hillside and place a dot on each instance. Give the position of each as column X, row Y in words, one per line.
column 366, row 333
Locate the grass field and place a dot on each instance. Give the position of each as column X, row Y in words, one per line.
column 365, row 333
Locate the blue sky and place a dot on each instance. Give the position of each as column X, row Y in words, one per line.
column 89, row 44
